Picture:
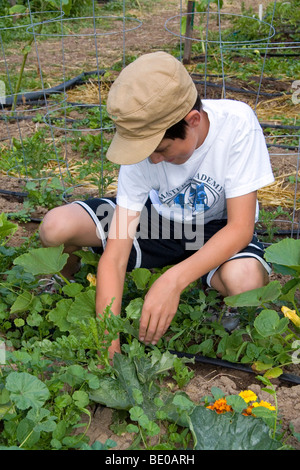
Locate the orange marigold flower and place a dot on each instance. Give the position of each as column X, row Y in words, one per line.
column 220, row 406
column 248, row 395
column 248, row 411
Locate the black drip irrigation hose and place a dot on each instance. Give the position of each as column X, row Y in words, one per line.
column 240, row 90
column 27, row 98
column 291, row 378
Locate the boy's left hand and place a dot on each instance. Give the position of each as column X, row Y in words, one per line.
column 160, row 305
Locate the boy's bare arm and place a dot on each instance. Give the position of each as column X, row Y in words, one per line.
column 113, row 263
column 162, row 300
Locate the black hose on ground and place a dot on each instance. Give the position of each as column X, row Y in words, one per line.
column 27, row 98
column 291, row 378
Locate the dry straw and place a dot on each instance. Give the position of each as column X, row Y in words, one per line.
column 279, row 193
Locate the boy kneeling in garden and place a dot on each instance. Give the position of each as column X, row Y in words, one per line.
column 187, row 195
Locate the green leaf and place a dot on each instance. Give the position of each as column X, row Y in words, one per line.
column 136, row 412
column 43, row 260
column 268, row 323
column 34, row 319
column 260, row 366
column 81, row 398
column 88, row 257
column 42, row 419
column 19, row 322
column 17, row 9
column 206, row 346
column 183, row 402
column 71, row 290
column 83, row 307
column 138, row 396
column 25, row 430
column 236, row 402
column 289, row 290
column 255, row 297
column 134, row 308
column 59, row 314
column 285, row 253
column 112, row 394
column 217, row 393
column 132, row 428
column 66, row 5
column 27, row 391
column 152, row 428
column 141, row 277
column 230, row 432
column 6, row 227
column 273, row 373
column 74, row 375
column 22, row 302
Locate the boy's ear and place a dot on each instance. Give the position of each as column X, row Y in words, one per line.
column 193, row 118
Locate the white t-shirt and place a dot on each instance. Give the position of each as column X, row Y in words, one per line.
column 232, row 161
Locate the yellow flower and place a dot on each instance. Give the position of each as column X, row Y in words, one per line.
column 248, row 395
column 92, row 279
column 291, row 315
column 265, row 404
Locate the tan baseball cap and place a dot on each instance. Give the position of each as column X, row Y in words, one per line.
column 149, row 96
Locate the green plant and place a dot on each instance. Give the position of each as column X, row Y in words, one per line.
column 274, row 337
column 31, row 156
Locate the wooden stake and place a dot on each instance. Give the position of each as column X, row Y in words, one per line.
column 189, row 32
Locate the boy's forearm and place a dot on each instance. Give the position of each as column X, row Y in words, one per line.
column 110, row 284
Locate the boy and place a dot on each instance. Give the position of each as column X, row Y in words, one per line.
column 188, row 178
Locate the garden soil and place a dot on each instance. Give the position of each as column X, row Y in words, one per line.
column 150, row 37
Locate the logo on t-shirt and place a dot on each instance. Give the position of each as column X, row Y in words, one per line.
column 198, row 194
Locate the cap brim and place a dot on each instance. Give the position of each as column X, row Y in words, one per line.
column 128, row 151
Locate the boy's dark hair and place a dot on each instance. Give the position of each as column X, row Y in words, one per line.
column 178, row 131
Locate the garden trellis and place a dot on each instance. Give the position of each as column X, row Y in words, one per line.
column 72, row 112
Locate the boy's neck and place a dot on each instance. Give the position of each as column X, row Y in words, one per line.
column 203, row 127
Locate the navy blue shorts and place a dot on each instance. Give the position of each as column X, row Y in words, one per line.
column 152, row 250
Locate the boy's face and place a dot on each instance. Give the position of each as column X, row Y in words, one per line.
column 177, row 151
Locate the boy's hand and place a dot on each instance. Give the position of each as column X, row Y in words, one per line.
column 160, row 306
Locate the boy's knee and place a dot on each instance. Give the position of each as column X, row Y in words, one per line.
column 242, row 275
column 52, row 230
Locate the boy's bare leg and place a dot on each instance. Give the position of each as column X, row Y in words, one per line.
column 72, row 226
column 239, row 275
